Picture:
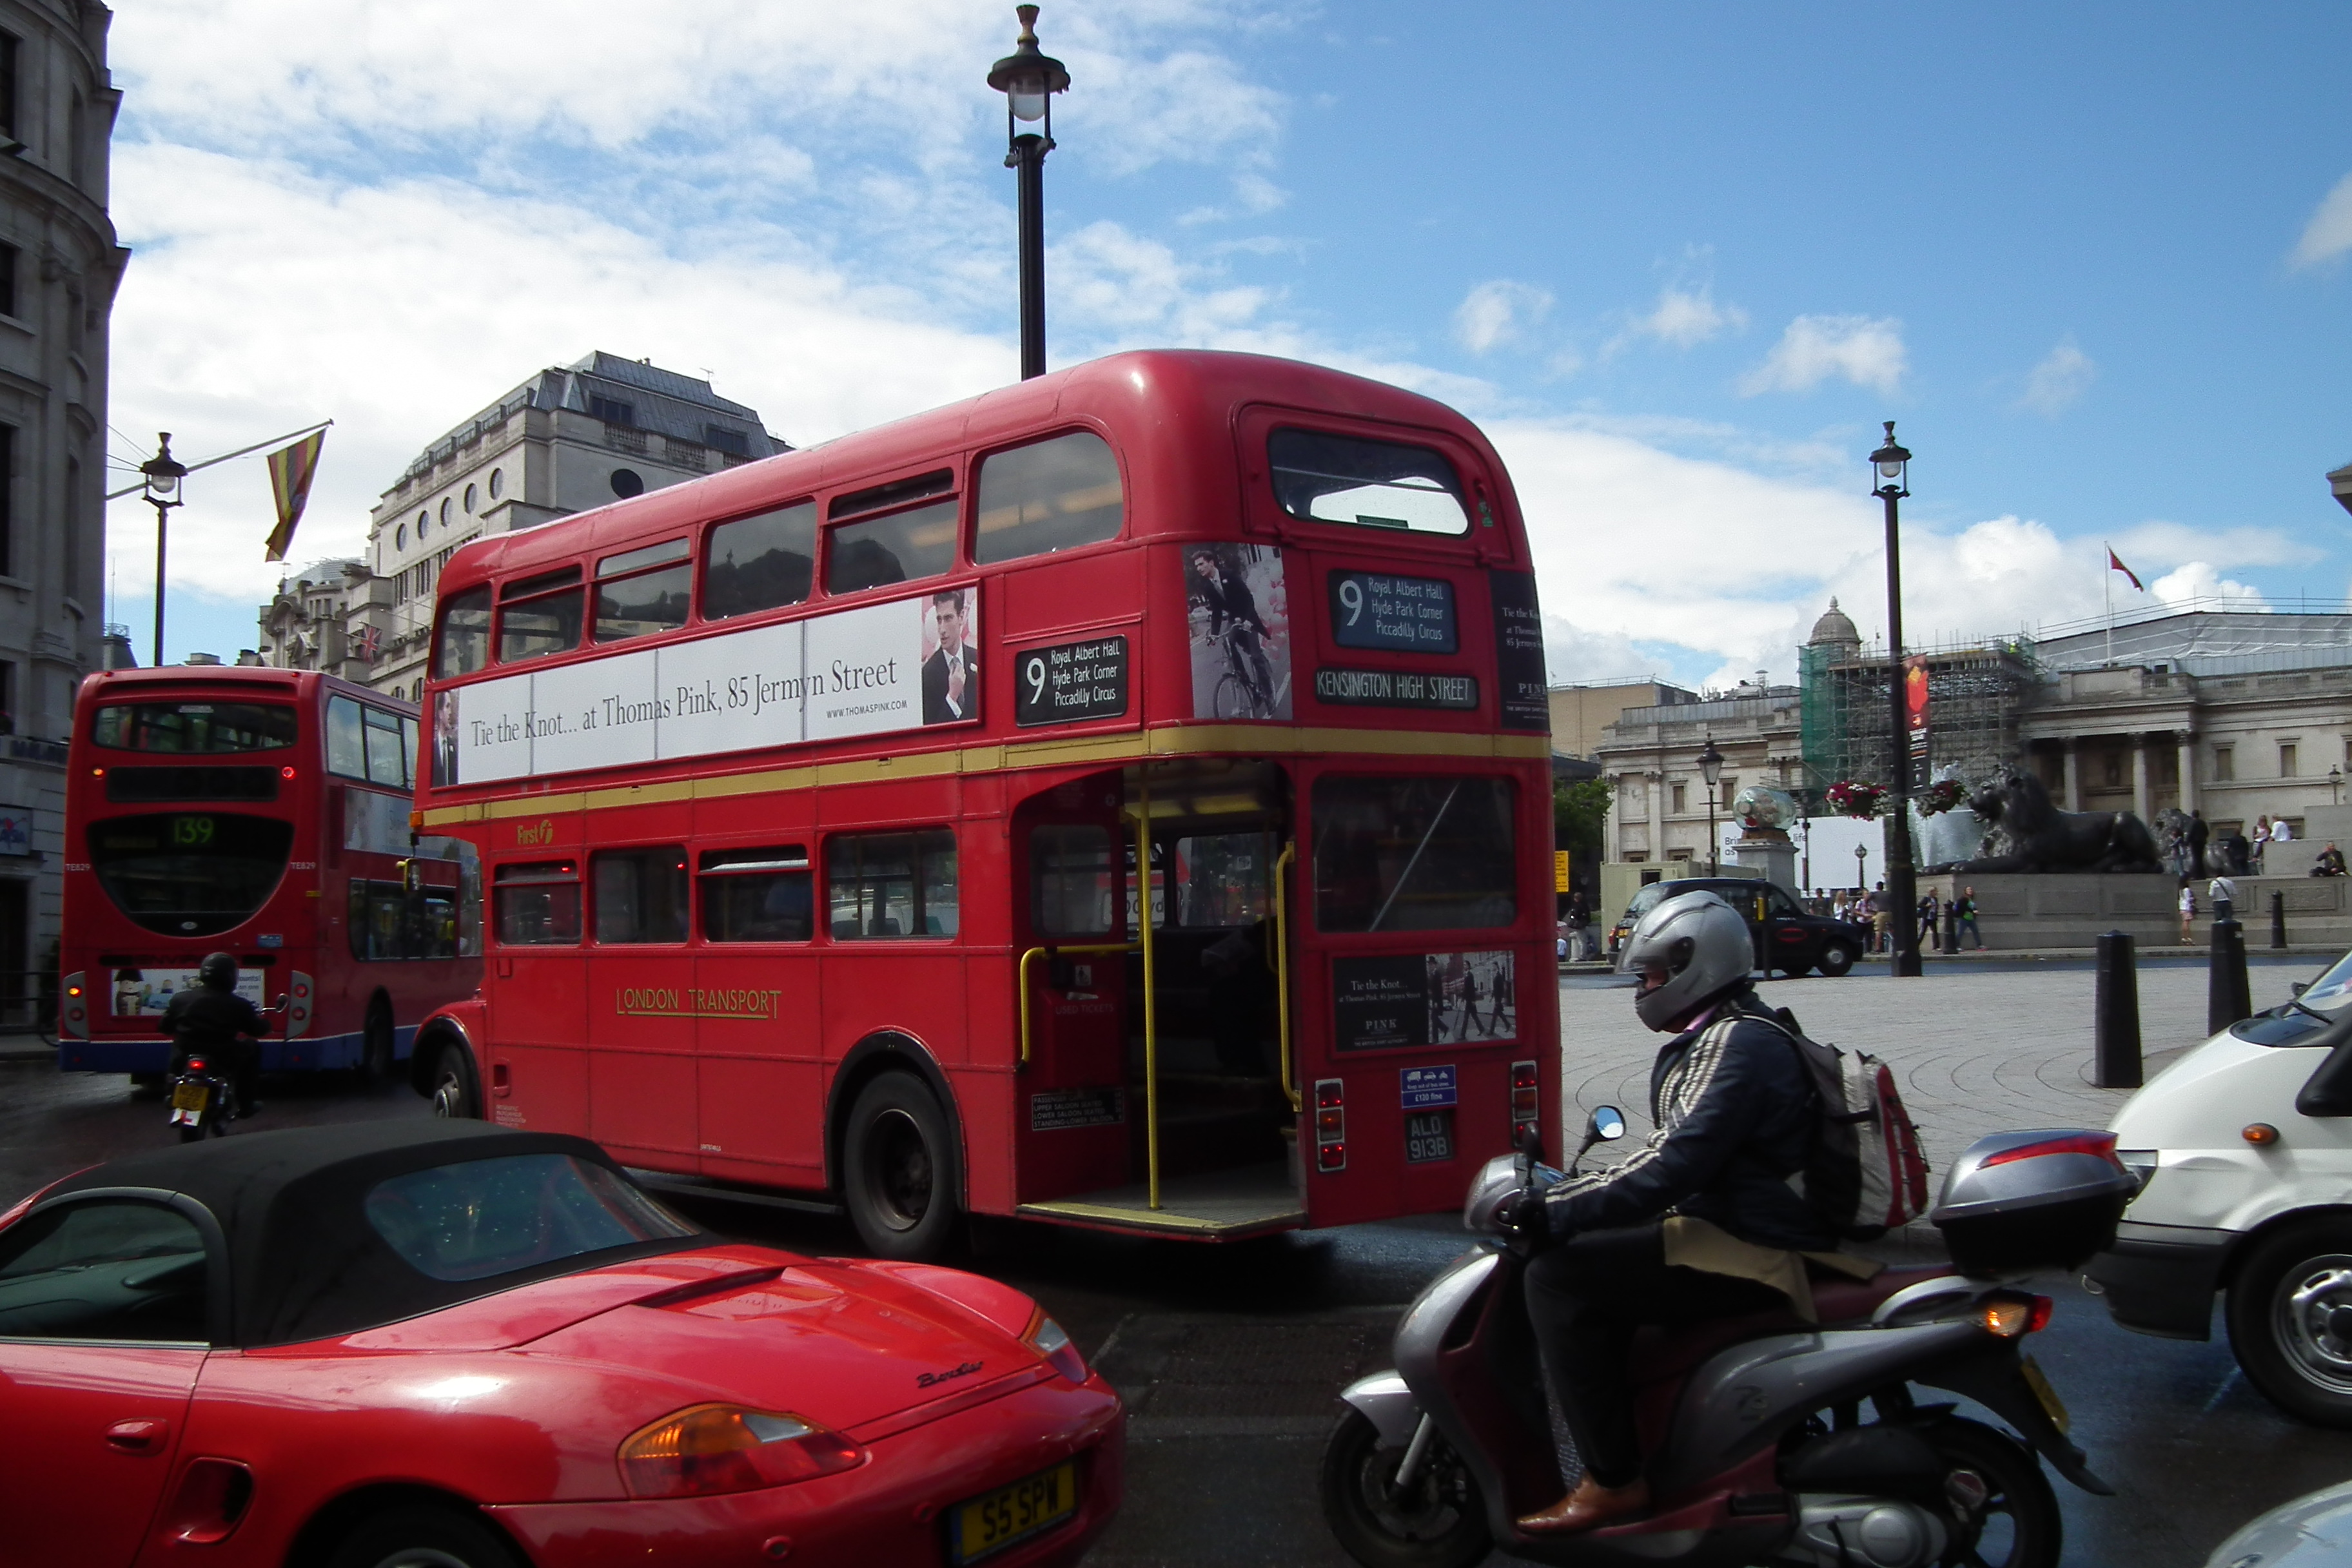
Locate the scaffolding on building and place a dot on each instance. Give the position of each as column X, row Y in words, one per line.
column 1976, row 692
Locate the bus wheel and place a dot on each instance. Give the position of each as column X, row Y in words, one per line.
column 375, row 1047
column 897, row 1181
column 454, row 1094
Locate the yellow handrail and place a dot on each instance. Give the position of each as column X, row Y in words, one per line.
column 1282, row 966
column 1048, row 952
column 1150, row 1000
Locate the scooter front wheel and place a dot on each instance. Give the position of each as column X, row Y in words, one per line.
column 1437, row 1521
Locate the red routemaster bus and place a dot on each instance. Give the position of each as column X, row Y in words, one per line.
column 820, row 803
column 264, row 813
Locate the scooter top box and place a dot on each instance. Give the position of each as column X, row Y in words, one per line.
column 2049, row 1199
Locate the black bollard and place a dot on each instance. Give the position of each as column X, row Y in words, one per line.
column 2278, row 919
column 2227, row 997
column 1951, row 925
column 2115, row 1017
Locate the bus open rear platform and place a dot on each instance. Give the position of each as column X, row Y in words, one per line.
column 1215, row 1205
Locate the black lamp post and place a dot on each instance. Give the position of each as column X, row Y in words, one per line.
column 1710, row 768
column 162, row 475
column 1029, row 80
column 1889, row 471
column 2336, row 786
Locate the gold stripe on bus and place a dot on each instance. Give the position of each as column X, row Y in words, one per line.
column 1182, row 739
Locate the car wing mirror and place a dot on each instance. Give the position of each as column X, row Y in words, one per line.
column 2298, row 988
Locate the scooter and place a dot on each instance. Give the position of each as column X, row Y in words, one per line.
column 1756, row 1445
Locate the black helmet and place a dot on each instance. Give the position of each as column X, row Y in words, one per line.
column 218, row 970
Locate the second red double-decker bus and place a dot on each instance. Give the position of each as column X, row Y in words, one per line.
column 263, row 813
column 1119, row 800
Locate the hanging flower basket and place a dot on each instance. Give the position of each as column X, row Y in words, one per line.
column 1852, row 797
column 1943, row 794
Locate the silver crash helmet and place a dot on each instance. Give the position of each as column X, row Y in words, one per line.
column 1701, row 942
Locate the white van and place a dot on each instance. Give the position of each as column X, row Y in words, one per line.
column 2243, row 1148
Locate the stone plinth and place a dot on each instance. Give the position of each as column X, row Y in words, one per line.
column 2060, row 910
column 1775, row 859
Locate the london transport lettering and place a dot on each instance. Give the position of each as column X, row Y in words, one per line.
column 694, row 1002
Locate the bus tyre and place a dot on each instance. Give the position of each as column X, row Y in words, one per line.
column 375, row 1046
column 456, row 1092
column 896, row 1172
column 1835, row 960
column 2290, row 1316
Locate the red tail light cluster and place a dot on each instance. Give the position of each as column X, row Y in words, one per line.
column 197, row 1064
column 2099, row 1145
column 1526, row 1115
column 1330, row 1125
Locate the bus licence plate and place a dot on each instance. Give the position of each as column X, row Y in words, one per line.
column 989, row 1524
column 1428, row 1135
column 191, row 1097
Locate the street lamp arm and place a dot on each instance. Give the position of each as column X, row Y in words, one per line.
column 225, row 457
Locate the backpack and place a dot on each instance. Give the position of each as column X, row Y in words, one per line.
column 1863, row 1172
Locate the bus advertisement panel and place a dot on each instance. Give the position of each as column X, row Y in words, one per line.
column 263, row 813
column 822, row 803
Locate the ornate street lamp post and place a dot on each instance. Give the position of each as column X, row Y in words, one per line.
column 1029, row 79
column 161, row 476
column 1861, row 858
column 1889, row 474
column 1710, row 768
column 2336, row 786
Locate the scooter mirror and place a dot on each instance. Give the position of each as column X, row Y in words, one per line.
column 1608, row 1123
column 2298, row 988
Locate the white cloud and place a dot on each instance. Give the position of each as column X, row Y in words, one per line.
column 2329, row 234
column 1499, row 312
column 2172, row 543
column 2060, row 380
column 1866, row 351
column 2198, row 580
column 1683, row 318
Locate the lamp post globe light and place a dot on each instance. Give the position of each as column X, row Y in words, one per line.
column 1029, row 79
column 1889, row 482
column 1860, row 858
column 159, row 477
column 1710, row 768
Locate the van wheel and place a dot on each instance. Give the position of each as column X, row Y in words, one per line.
column 2290, row 1316
column 375, row 1047
column 454, row 1093
column 1835, row 960
column 896, row 1171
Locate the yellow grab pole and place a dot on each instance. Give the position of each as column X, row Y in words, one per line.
column 1282, row 864
column 1032, row 953
column 1150, row 1000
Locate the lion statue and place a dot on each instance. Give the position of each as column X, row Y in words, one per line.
column 2029, row 834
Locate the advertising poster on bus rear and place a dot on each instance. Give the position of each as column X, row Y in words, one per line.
column 1240, row 616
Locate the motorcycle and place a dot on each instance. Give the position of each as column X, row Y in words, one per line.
column 199, row 1092
column 1753, row 1429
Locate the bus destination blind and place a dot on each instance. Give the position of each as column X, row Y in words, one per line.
column 1399, row 614
column 1070, row 681
column 1397, row 689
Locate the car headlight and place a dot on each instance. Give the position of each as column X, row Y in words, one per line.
column 2140, row 1163
column 710, row 1448
column 1050, row 1339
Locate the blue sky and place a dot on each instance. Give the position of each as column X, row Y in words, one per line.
column 1679, row 261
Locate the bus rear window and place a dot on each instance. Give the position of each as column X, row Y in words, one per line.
column 760, row 563
column 194, row 729
column 898, row 548
column 1414, row 854
column 757, row 895
column 1373, row 484
column 1049, row 495
column 538, row 903
column 463, row 644
column 189, row 873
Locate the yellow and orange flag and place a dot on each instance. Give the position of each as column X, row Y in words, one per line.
column 291, row 469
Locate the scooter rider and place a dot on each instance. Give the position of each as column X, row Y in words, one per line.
column 1701, row 1222
column 211, row 1016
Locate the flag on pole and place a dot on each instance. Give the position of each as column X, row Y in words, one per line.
column 2116, row 564
column 291, row 469
column 370, row 642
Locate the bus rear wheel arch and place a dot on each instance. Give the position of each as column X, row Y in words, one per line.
column 898, row 1169
column 376, row 1044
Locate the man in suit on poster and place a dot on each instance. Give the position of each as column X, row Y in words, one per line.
column 951, row 674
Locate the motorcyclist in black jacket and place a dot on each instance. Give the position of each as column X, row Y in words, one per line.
column 211, row 1017
column 1700, row 1222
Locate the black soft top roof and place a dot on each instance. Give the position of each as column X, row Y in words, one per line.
column 304, row 1262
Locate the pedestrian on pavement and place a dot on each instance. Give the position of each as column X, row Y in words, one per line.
column 1929, row 914
column 2188, row 910
column 2198, row 834
column 2281, row 833
column 1578, row 917
column 1966, row 908
column 1882, row 921
column 2224, row 894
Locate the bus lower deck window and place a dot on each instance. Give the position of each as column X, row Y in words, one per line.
column 1414, row 854
column 1330, row 477
column 891, row 884
column 537, row 903
column 1055, row 494
column 640, row 894
column 760, row 563
column 757, row 895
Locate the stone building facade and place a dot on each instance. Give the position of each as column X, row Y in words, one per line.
column 571, row 438
column 307, row 623
column 1650, row 757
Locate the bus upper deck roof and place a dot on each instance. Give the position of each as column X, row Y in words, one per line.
column 1142, row 396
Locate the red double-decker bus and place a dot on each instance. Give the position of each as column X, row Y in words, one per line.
column 820, row 801
column 263, row 813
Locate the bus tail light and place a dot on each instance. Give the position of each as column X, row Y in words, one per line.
column 73, row 1016
column 1330, row 1125
column 1525, row 1114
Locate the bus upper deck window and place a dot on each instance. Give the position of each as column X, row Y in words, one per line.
column 465, row 639
column 537, row 903
column 1414, row 854
column 760, row 563
column 346, row 740
column 897, row 547
column 539, row 615
column 387, row 763
column 1373, row 484
column 642, row 590
column 1050, row 495
column 194, row 729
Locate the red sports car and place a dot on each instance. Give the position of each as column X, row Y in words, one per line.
column 448, row 1344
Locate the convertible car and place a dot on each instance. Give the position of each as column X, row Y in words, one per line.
column 450, row 1343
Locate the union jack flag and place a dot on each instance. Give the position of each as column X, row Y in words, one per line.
column 370, row 642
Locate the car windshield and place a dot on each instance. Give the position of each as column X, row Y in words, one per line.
column 481, row 1219
column 2332, row 992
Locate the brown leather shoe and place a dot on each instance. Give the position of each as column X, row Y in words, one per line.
column 1588, row 1507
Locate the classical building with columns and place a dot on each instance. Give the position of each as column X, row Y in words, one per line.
column 1650, row 757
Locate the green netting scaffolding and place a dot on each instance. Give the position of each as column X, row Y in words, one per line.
column 1975, row 694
